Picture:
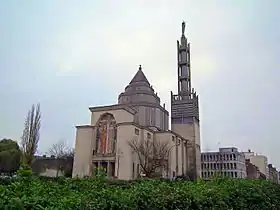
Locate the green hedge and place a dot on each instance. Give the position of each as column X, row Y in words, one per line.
column 43, row 193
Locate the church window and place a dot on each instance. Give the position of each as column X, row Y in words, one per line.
column 133, row 170
column 148, row 136
column 106, row 134
column 138, row 169
column 136, row 131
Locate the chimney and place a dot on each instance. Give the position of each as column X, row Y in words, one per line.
column 164, row 106
column 249, row 150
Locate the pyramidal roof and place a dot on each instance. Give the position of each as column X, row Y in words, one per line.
column 139, row 77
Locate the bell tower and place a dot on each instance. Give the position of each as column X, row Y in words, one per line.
column 185, row 108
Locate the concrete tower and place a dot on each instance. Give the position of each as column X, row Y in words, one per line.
column 185, row 109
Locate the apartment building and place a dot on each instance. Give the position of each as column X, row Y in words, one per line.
column 228, row 162
column 260, row 161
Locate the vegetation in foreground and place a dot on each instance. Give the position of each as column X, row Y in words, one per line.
column 28, row 192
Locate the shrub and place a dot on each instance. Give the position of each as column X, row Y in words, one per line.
column 98, row 193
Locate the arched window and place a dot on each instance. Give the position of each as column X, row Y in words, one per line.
column 106, row 134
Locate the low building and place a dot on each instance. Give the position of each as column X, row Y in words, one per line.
column 227, row 162
column 253, row 171
column 272, row 174
column 52, row 167
column 258, row 160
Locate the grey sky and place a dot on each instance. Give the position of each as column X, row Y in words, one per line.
column 69, row 55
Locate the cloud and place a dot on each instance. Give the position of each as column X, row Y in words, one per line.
column 81, row 54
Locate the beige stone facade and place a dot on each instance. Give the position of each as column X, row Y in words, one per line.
column 122, row 162
column 140, row 117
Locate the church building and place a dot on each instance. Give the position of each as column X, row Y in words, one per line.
column 133, row 138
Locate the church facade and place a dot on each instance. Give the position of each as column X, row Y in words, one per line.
column 133, row 138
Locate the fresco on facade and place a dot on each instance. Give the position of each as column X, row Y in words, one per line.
column 106, row 135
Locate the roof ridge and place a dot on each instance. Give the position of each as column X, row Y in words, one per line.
column 139, row 77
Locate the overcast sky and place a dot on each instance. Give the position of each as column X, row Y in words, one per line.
column 69, row 55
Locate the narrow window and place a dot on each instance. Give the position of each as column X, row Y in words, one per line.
column 133, row 170
column 138, row 170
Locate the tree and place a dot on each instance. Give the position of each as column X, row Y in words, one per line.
column 10, row 155
column 31, row 134
column 152, row 155
column 62, row 154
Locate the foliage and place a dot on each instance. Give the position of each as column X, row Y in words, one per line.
column 24, row 171
column 10, row 155
column 152, row 155
column 95, row 193
column 31, row 134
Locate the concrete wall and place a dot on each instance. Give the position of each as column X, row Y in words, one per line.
column 52, row 167
column 191, row 132
column 120, row 116
column 83, row 151
column 152, row 116
column 52, row 173
column 261, row 162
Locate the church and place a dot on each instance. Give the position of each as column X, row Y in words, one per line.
column 133, row 138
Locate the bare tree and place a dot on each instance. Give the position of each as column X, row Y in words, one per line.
column 31, row 134
column 70, row 153
column 61, row 152
column 152, row 155
column 58, row 149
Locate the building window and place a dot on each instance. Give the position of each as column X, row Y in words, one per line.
column 173, row 138
column 133, row 170
column 138, row 169
column 136, row 131
column 148, row 136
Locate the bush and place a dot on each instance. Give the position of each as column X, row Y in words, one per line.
column 96, row 193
